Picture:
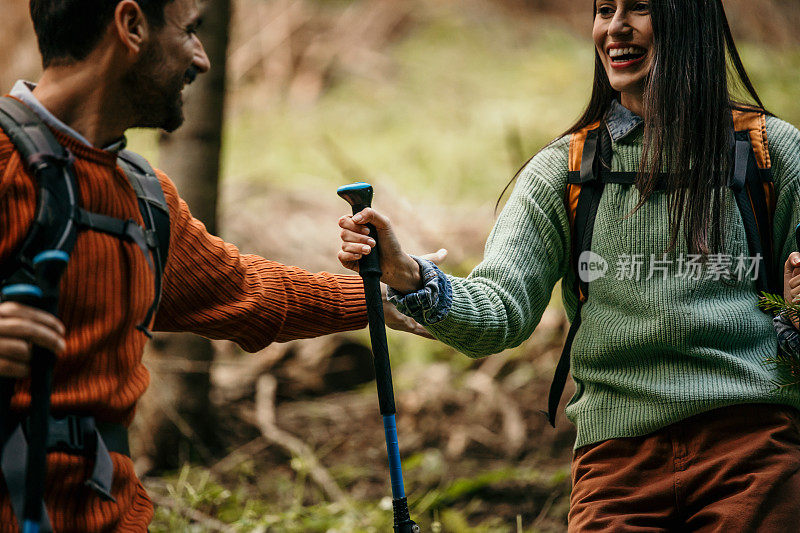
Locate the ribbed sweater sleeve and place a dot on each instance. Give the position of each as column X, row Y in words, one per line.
column 784, row 150
column 212, row 289
column 502, row 300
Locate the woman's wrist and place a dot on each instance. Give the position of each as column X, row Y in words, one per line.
column 409, row 278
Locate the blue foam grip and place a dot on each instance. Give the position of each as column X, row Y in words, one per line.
column 353, row 187
column 21, row 290
column 51, row 255
column 30, row 527
column 393, row 449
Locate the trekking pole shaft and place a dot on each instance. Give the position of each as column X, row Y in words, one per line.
column 42, row 362
column 393, row 451
column 49, row 266
column 380, row 349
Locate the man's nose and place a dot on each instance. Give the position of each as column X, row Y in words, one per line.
column 201, row 61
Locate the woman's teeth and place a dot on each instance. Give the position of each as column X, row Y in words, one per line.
column 625, row 54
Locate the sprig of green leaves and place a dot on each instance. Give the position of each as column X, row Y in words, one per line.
column 775, row 304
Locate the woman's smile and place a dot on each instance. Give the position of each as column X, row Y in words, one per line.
column 625, row 55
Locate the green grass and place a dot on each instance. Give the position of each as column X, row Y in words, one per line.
column 434, row 509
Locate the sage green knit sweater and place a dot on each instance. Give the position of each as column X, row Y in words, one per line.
column 648, row 352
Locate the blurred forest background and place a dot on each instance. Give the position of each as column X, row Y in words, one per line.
column 436, row 103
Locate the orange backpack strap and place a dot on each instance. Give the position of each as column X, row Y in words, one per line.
column 583, row 146
column 584, row 190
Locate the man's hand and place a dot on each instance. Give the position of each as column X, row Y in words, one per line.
column 398, row 321
column 21, row 327
column 791, row 282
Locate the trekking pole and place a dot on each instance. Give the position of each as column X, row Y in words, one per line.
column 359, row 196
column 48, row 265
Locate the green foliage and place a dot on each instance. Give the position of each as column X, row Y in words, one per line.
column 787, row 365
column 775, row 304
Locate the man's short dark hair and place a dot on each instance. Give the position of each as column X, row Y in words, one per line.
column 68, row 30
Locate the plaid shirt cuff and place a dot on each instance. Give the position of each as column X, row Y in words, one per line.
column 788, row 336
column 432, row 302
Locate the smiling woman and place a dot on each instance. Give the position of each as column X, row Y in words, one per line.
column 679, row 425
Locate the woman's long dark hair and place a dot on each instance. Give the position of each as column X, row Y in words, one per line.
column 688, row 120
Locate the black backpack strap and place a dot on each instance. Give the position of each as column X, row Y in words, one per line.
column 562, row 369
column 747, row 187
column 597, row 152
column 122, row 229
column 50, row 165
column 29, row 135
column 155, row 213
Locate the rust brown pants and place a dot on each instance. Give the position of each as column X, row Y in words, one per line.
column 730, row 470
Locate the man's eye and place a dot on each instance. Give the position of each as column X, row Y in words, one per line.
column 192, row 28
column 641, row 6
column 605, row 11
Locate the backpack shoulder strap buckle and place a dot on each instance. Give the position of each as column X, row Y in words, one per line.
column 39, row 160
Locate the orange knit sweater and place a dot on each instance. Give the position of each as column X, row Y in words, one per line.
column 209, row 288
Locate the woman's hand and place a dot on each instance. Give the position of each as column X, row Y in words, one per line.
column 791, row 281
column 21, row 327
column 400, row 271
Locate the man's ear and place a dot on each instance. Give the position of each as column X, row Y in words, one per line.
column 130, row 26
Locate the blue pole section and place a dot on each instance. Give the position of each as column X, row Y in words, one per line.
column 393, row 450
column 30, row 527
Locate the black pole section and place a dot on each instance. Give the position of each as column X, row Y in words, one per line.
column 6, row 392
column 29, row 295
column 359, row 196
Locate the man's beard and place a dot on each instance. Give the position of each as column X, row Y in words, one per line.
column 155, row 94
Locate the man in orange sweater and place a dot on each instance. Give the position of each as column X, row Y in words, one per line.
column 112, row 65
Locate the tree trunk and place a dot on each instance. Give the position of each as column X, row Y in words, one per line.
column 181, row 419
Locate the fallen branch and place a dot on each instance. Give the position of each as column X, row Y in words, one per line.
column 265, row 417
column 239, row 455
